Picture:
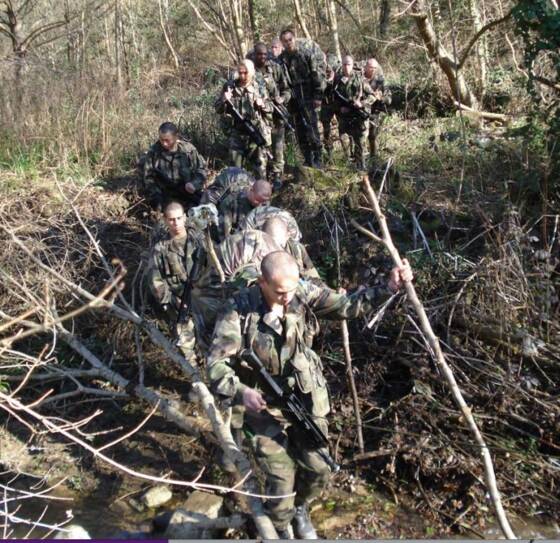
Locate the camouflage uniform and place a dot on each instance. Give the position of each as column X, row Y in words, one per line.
column 170, row 267
column 228, row 181
column 307, row 269
column 284, row 346
column 377, row 83
column 273, row 77
column 350, row 124
column 306, row 77
column 233, row 210
column 165, row 174
column 261, row 214
column 242, row 149
column 328, row 105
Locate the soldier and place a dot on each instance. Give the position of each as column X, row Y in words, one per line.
column 273, row 77
column 173, row 169
column 307, row 83
column 373, row 74
column 246, row 107
column 228, row 180
column 277, row 229
column 235, row 207
column 353, row 96
column 328, row 108
column 276, row 49
column 172, row 267
column 277, row 319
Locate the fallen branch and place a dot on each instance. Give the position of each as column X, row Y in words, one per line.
column 504, row 119
column 490, row 476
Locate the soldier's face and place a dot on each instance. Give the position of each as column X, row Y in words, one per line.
column 279, row 290
column 260, row 57
column 347, row 66
column 243, row 75
column 168, row 141
column 289, row 42
column 369, row 70
column 175, row 220
column 256, row 199
column 276, row 49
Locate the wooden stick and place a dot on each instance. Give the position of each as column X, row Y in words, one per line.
column 489, row 474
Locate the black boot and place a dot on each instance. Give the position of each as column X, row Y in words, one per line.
column 302, row 524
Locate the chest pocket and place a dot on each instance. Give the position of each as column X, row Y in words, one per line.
column 174, row 268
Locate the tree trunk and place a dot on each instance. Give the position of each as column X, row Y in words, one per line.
column 333, row 27
column 301, row 20
column 237, row 20
column 442, row 57
column 384, row 18
column 480, row 49
column 255, row 19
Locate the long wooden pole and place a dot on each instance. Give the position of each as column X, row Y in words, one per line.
column 489, row 474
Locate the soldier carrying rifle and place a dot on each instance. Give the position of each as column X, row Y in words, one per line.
column 246, row 112
column 276, row 319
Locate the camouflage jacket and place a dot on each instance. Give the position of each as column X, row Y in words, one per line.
column 229, row 180
column 273, row 76
column 307, row 269
column 352, row 88
column 283, row 345
column 244, row 101
column 305, row 75
column 165, row 171
column 233, row 210
column 377, row 83
column 170, row 265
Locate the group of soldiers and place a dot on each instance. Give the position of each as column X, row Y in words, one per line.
column 233, row 277
column 295, row 85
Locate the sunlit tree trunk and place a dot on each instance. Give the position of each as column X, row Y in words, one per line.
column 300, row 19
column 480, row 49
column 333, row 26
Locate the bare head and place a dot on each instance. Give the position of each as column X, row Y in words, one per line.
column 245, row 72
column 371, row 68
column 174, row 215
column 259, row 193
column 347, row 65
column 277, row 229
column 279, row 278
column 288, row 39
column 261, row 54
column 276, row 47
column 168, row 135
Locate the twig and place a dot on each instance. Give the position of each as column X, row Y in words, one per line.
column 444, row 367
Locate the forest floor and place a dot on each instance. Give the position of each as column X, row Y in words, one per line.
column 462, row 184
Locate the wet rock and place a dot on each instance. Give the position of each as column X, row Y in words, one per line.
column 156, row 496
column 192, row 521
column 73, row 531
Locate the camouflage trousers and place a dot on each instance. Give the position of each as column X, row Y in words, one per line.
column 373, row 128
column 185, row 340
column 278, row 137
column 355, row 130
column 243, row 153
column 288, row 465
column 327, row 116
column 306, row 124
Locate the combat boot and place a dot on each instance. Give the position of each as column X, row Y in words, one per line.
column 302, row 523
column 317, row 160
column 308, row 159
column 286, row 533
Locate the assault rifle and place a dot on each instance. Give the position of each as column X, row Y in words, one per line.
column 302, row 110
column 282, row 112
column 250, row 129
column 294, row 409
column 361, row 112
column 185, row 303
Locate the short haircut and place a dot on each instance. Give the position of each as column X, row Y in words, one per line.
column 260, row 46
column 168, row 128
column 278, row 263
column 287, row 30
column 275, row 41
column 172, row 206
column 262, row 188
column 273, row 225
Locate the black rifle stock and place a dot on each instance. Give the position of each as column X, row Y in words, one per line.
column 293, row 408
column 282, row 112
column 359, row 111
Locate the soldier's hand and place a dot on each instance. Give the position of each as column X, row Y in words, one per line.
column 378, row 94
column 400, row 275
column 316, row 104
column 259, row 103
column 253, row 400
column 228, row 93
column 357, row 103
column 189, row 187
column 279, row 100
